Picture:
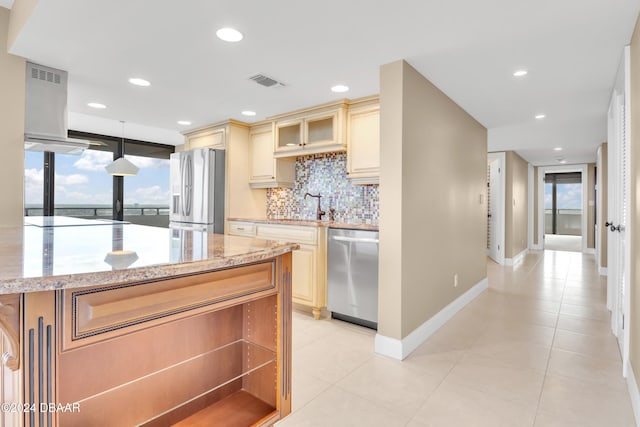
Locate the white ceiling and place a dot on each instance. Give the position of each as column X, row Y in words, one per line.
column 468, row 48
column 6, row 4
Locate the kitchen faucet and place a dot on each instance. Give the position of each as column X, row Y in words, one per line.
column 320, row 212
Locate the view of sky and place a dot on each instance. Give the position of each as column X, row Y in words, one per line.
column 569, row 196
column 82, row 180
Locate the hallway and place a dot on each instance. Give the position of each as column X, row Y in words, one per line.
column 534, row 350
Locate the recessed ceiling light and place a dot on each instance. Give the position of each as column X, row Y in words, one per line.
column 563, row 161
column 520, row 73
column 249, row 113
column 340, row 88
column 184, row 122
column 139, row 82
column 557, row 149
column 97, row 105
column 540, row 116
column 229, row 34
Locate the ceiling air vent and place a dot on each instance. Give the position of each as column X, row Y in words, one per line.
column 265, row 81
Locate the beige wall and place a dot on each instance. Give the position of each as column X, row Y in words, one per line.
column 432, row 200
column 591, row 205
column 634, row 217
column 516, row 205
column 12, row 95
column 601, row 205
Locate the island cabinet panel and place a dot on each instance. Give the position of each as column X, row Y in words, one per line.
column 103, row 310
column 39, row 356
column 207, row 349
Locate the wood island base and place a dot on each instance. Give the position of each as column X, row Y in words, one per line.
column 212, row 348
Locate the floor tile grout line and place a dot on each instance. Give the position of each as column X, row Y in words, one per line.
column 546, row 371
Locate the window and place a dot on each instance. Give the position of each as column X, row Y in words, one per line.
column 563, row 203
column 33, row 183
column 146, row 195
column 81, row 187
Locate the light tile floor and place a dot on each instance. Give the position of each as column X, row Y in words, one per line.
column 535, row 349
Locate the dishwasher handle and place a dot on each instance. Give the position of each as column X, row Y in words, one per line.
column 354, row 239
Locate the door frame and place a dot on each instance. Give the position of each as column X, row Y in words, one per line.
column 542, row 171
column 601, row 194
column 501, row 157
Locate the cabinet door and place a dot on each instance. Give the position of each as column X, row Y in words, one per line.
column 321, row 129
column 288, row 135
column 363, row 152
column 304, row 273
column 261, row 152
column 207, row 139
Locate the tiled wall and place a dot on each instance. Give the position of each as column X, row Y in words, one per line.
column 324, row 174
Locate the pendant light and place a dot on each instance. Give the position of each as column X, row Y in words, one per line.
column 122, row 166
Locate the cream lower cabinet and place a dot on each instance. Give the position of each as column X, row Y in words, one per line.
column 309, row 281
column 304, row 278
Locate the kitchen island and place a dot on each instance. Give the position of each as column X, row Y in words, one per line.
column 120, row 324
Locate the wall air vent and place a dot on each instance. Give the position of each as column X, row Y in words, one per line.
column 266, row 81
column 45, row 75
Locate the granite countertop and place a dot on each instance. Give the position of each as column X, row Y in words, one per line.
column 36, row 258
column 309, row 223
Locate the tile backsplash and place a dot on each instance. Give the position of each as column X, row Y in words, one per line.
column 324, row 174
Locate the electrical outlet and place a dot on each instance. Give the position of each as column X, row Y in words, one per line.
column 455, row 280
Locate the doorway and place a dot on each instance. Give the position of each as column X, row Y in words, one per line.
column 564, row 222
column 495, row 206
column 563, row 211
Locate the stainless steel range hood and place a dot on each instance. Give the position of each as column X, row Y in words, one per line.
column 46, row 112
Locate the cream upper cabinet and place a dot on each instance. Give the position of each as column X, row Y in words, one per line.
column 363, row 141
column 265, row 170
column 311, row 131
column 206, row 138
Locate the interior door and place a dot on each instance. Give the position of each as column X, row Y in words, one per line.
column 619, row 261
column 623, row 260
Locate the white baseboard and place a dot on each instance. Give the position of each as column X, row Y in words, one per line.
column 516, row 259
column 634, row 393
column 536, row 247
column 602, row 271
column 591, row 251
column 399, row 349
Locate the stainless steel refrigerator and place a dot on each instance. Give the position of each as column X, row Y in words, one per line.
column 197, row 190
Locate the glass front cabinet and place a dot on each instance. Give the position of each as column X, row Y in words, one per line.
column 320, row 130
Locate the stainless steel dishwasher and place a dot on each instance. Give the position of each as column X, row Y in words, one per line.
column 352, row 280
